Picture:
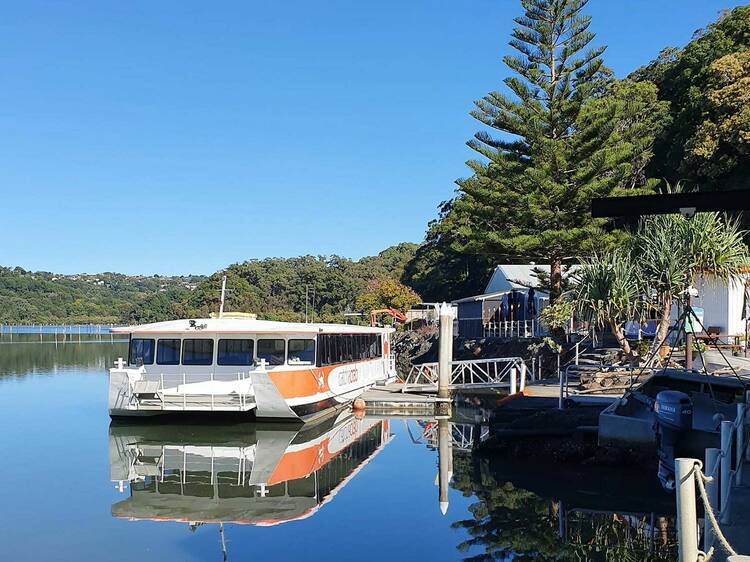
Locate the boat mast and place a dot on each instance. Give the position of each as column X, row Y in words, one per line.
column 223, row 293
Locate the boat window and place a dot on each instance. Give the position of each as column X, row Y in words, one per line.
column 197, row 351
column 141, row 352
column 272, row 351
column 168, row 352
column 341, row 348
column 235, row 352
column 301, row 352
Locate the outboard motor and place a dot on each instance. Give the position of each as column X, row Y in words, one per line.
column 673, row 411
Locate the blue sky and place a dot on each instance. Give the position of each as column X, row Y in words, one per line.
column 181, row 136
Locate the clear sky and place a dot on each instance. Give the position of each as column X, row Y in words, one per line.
column 181, row 136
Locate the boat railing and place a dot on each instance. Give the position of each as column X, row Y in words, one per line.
column 715, row 479
column 473, row 373
column 193, row 391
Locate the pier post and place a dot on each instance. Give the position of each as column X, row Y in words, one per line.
column 522, row 384
column 513, row 380
column 445, row 353
column 712, row 492
column 687, row 525
column 726, row 468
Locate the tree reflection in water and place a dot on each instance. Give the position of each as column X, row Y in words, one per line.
column 511, row 523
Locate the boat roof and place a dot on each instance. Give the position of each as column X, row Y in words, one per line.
column 245, row 325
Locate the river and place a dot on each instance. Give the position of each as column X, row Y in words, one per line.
column 74, row 487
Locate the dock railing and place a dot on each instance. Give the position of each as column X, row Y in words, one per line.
column 474, row 373
column 513, row 329
column 714, row 479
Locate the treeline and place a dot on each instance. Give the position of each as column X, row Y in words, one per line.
column 49, row 298
column 273, row 288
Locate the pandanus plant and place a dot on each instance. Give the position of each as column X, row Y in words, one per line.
column 607, row 292
column 672, row 251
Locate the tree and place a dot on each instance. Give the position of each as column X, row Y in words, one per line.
column 569, row 134
column 607, row 292
column 690, row 148
column 672, row 251
column 722, row 140
column 386, row 293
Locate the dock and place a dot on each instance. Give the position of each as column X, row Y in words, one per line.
column 389, row 399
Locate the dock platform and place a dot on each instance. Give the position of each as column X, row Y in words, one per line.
column 389, row 399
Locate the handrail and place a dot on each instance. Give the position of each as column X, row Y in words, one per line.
column 471, row 372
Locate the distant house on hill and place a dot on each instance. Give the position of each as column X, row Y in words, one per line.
column 509, row 306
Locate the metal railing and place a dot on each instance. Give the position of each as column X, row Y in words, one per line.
column 180, row 391
column 715, row 486
column 476, row 373
column 513, row 329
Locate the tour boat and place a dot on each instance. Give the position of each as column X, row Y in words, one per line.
column 251, row 474
column 279, row 370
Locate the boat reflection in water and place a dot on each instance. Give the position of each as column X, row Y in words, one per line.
column 256, row 474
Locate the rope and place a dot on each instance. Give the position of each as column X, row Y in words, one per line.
column 701, row 479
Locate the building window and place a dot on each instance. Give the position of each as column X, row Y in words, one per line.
column 272, row 351
column 235, row 352
column 141, row 352
column 197, row 351
column 301, row 352
column 168, row 352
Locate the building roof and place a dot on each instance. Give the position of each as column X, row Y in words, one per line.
column 507, row 277
column 244, row 325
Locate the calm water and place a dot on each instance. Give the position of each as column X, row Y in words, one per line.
column 75, row 488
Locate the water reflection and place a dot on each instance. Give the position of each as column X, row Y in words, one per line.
column 524, row 511
column 252, row 474
column 26, row 354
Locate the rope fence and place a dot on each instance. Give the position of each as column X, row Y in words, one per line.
column 715, row 490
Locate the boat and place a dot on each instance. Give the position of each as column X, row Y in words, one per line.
column 248, row 474
column 241, row 365
column 630, row 422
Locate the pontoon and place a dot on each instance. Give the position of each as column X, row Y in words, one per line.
column 278, row 370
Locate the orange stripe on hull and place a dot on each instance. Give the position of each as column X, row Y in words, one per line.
column 296, row 384
column 300, row 464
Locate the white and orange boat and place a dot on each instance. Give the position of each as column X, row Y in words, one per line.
column 278, row 370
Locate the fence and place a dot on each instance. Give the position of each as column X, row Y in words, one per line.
column 715, row 485
column 513, row 329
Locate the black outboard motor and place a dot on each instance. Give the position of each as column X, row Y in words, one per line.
column 673, row 412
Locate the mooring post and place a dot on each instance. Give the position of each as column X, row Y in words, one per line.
column 687, row 525
column 522, row 384
column 513, row 380
column 726, row 468
column 445, row 353
column 740, row 443
column 712, row 492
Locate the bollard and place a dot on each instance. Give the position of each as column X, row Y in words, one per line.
column 726, row 468
column 445, row 352
column 740, row 443
column 513, row 381
column 523, row 376
column 687, row 526
column 712, row 491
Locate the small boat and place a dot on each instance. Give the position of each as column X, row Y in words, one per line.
column 630, row 422
column 274, row 370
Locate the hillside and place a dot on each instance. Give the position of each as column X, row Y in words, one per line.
column 273, row 288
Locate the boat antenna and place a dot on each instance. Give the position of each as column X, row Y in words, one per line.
column 223, row 293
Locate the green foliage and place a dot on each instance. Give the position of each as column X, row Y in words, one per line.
column 386, row 293
column 440, row 270
column 557, row 315
column 607, row 291
column 569, row 134
column 273, row 288
column 43, row 297
column 706, row 84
